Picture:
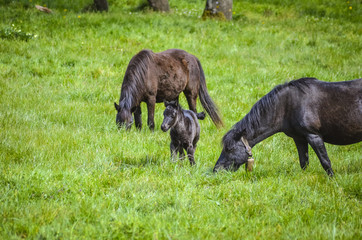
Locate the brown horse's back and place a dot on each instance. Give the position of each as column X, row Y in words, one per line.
column 171, row 73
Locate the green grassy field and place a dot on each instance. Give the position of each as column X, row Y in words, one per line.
column 67, row 172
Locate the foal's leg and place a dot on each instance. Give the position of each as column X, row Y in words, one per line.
column 318, row 146
column 137, row 117
column 302, row 147
column 190, row 154
column 173, row 150
column 181, row 153
column 151, row 111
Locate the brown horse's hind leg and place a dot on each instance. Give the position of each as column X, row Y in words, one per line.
column 191, row 100
column 318, row 146
column 151, row 111
column 302, row 147
column 137, row 117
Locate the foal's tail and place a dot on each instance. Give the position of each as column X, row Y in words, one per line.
column 206, row 100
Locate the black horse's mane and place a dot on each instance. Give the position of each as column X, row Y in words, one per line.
column 252, row 120
column 134, row 78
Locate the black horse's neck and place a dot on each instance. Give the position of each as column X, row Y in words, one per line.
column 265, row 118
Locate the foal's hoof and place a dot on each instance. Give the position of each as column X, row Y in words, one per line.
column 201, row 115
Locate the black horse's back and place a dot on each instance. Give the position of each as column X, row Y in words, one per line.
column 332, row 110
column 342, row 116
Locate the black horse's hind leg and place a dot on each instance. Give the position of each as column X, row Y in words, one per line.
column 302, row 147
column 318, row 146
column 137, row 117
column 151, row 111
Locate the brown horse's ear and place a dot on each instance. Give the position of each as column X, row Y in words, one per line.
column 117, row 106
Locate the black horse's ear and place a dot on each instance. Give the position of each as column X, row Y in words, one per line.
column 166, row 103
column 116, row 106
column 237, row 135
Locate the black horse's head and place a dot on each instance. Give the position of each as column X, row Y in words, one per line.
column 170, row 115
column 235, row 153
column 124, row 117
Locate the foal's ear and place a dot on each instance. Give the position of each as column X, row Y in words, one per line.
column 117, row 106
column 172, row 103
column 166, row 103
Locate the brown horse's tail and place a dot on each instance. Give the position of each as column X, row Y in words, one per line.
column 206, row 100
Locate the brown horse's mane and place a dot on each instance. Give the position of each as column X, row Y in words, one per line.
column 252, row 120
column 133, row 80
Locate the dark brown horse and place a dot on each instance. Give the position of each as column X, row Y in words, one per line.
column 309, row 111
column 156, row 77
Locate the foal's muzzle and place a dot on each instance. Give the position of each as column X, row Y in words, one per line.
column 165, row 127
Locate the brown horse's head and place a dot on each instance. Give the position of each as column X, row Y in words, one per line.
column 124, row 117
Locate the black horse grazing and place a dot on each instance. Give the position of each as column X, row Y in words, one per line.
column 185, row 130
column 309, row 111
column 155, row 77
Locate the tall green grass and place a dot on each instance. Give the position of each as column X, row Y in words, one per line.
column 67, row 172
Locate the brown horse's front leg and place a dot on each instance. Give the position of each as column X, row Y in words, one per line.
column 151, row 111
column 137, row 117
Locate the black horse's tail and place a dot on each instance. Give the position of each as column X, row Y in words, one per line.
column 206, row 100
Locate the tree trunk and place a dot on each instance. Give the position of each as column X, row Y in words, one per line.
column 221, row 9
column 101, row 5
column 159, row 5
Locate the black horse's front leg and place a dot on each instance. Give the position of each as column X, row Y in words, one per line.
column 318, row 146
column 302, row 147
column 151, row 111
column 138, row 117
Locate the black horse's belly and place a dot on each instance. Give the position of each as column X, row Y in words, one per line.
column 342, row 139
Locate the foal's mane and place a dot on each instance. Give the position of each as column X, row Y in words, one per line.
column 252, row 120
column 134, row 77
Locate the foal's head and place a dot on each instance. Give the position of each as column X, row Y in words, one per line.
column 124, row 117
column 170, row 115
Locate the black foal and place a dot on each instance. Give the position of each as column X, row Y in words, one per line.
column 185, row 130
